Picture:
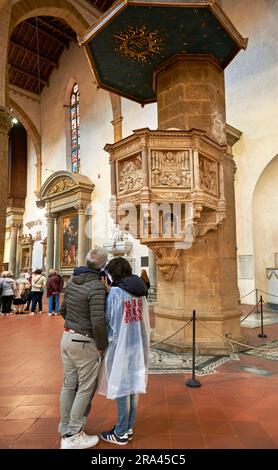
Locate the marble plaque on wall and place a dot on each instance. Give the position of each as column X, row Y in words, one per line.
column 245, row 266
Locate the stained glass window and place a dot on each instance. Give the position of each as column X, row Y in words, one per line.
column 75, row 129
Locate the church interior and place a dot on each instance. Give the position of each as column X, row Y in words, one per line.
column 146, row 128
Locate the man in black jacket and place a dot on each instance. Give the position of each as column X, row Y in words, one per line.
column 83, row 343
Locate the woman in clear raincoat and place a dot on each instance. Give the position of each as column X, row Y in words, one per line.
column 124, row 370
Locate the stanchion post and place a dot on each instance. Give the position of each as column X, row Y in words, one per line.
column 261, row 334
column 193, row 382
column 257, row 300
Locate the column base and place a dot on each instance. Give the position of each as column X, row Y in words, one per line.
column 207, row 342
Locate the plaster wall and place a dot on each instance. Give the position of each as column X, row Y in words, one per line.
column 251, row 101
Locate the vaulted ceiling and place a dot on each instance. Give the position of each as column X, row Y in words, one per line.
column 35, row 47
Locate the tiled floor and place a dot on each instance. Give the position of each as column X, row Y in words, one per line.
column 233, row 408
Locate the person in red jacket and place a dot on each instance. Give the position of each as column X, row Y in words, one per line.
column 55, row 285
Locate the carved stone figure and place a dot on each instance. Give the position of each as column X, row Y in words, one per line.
column 171, row 169
column 26, row 239
column 130, row 175
column 62, row 186
column 208, row 175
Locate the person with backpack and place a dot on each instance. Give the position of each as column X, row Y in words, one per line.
column 8, row 292
column 55, row 285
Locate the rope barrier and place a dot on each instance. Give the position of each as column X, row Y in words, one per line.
column 245, row 295
column 259, row 290
column 250, row 312
column 176, row 332
column 267, row 293
column 232, row 340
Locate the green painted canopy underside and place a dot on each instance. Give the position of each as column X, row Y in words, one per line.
column 180, row 30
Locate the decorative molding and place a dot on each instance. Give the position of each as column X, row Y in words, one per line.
column 26, row 94
column 61, row 186
column 33, row 223
column 167, row 260
column 271, row 272
column 233, row 135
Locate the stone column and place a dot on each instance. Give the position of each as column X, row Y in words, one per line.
column 5, row 124
column 152, row 268
column 18, row 251
column 13, row 246
column 57, row 244
column 145, row 168
column 112, row 177
column 117, row 126
column 50, row 243
column 190, row 94
column 81, row 234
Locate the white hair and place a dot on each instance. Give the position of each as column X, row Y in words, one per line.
column 96, row 258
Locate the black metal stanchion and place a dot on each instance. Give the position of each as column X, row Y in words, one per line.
column 261, row 334
column 257, row 300
column 193, row 382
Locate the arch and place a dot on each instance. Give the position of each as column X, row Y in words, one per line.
column 63, row 9
column 64, row 182
column 265, row 221
column 34, row 136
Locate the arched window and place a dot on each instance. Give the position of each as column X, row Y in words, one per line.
column 75, row 129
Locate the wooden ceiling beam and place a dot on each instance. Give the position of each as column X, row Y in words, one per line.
column 56, row 28
column 27, row 72
column 34, row 53
column 47, row 33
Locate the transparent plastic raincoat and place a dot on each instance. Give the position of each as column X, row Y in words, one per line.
column 124, row 368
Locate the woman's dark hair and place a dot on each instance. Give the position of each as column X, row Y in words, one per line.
column 118, row 268
column 38, row 271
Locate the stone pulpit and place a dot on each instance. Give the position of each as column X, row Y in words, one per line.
column 173, row 188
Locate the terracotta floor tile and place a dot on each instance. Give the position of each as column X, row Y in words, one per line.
column 15, row 426
column 185, row 426
column 23, row 412
column 251, row 442
column 44, row 426
column 51, row 412
column 147, row 441
column 182, row 441
column 41, row 399
column 185, row 412
column 4, row 410
column 240, row 406
column 13, row 401
column 7, row 441
column 248, row 429
column 209, row 412
column 151, row 425
column 222, row 442
column 47, row 441
column 217, row 427
column 239, row 414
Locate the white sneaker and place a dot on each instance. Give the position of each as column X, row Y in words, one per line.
column 79, row 441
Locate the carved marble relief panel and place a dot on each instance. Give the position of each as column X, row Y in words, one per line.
column 170, row 169
column 62, row 185
column 208, row 169
column 130, row 175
